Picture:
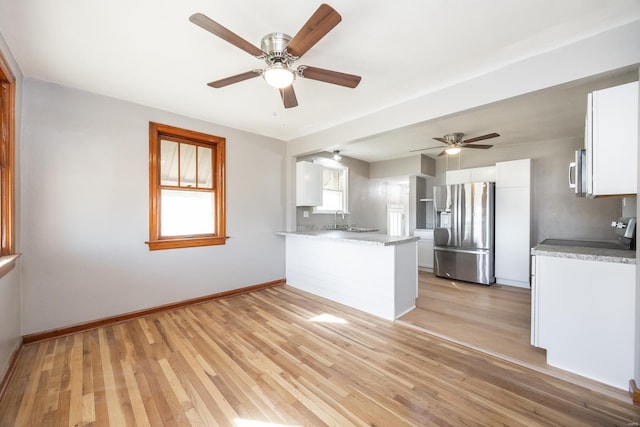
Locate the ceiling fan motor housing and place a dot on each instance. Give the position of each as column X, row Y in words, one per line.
column 454, row 138
column 275, row 45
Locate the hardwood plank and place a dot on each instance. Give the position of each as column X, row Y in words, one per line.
column 260, row 357
column 81, row 327
column 493, row 319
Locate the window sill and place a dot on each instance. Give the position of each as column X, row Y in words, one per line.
column 7, row 263
column 189, row 242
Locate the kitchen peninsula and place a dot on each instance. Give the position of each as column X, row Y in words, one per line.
column 375, row 273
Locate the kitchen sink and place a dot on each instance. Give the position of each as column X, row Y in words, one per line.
column 361, row 229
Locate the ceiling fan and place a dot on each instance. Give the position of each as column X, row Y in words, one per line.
column 280, row 51
column 456, row 143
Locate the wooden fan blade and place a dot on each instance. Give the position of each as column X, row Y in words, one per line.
column 288, row 97
column 480, row 138
column 424, row 149
column 234, row 79
column 218, row 30
column 328, row 76
column 320, row 23
column 442, row 140
column 442, row 153
column 482, row 146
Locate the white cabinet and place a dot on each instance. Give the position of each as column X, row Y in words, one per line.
column 611, row 140
column 460, row 176
column 513, row 222
column 308, row 184
column 425, row 249
column 583, row 314
column 464, row 176
column 484, row 174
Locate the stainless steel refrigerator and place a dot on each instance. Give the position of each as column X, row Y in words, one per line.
column 464, row 232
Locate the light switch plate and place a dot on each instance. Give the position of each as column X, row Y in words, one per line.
column 305, row 214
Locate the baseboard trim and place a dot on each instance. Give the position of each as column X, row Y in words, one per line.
column 11, row 368
column 634, row 391
column 81, row 327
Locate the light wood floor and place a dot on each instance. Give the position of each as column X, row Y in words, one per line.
column 284, row 357
column 495, row 319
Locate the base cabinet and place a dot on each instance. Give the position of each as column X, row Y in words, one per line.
column 425, row 249
column 583, row 314
column 425, row 254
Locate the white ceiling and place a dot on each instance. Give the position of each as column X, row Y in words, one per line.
column 147, row 51
column 554, row 114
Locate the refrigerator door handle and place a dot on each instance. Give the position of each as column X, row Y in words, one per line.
column 572, row 175
column 462, row 251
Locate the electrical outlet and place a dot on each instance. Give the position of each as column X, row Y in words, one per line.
column 305, row 214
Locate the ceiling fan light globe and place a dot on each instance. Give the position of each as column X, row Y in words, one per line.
column 452, row 150
column 278, row 76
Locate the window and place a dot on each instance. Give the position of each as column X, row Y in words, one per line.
column 335, row 182
column 186, row 188
column 7, row 158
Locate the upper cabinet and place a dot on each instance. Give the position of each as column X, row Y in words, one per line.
column 611, row 140
column 308, row 184
column 464, row 176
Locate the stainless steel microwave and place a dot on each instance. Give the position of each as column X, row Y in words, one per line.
column 578, row 173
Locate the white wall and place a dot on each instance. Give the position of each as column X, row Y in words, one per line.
column 85, row 211
column 10, row 284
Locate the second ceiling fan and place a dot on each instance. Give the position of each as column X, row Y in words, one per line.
column 456, row 143
column 280, row 51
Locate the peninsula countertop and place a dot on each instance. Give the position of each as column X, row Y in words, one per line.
column 367, row 238
column 622, row 256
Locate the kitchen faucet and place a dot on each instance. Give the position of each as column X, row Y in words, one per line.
column 335, row 220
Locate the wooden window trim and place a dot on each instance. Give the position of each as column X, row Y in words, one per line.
column 157, row 132
column 7, row 161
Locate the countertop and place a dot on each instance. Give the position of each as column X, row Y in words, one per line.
column 585, row 253
column 373, row 239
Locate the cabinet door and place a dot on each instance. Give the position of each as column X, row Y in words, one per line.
column 484, row 174
column 512, row 239
column 612, row 152
column 460, row 176
column 425, row 253
column 586, row 320
column 514, row 173
column 535, row 304
column 308, row 184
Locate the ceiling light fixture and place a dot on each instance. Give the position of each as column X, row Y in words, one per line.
column 336, row 155
column 278, row 75
column 452, row 150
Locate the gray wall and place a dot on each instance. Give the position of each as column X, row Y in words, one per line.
column 85, row 211
column 10, row 336
column 556, row 212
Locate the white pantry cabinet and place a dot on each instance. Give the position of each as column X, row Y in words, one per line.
column 513, row 222
column 583, row 314
column 611, row 140
column 308, row 184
